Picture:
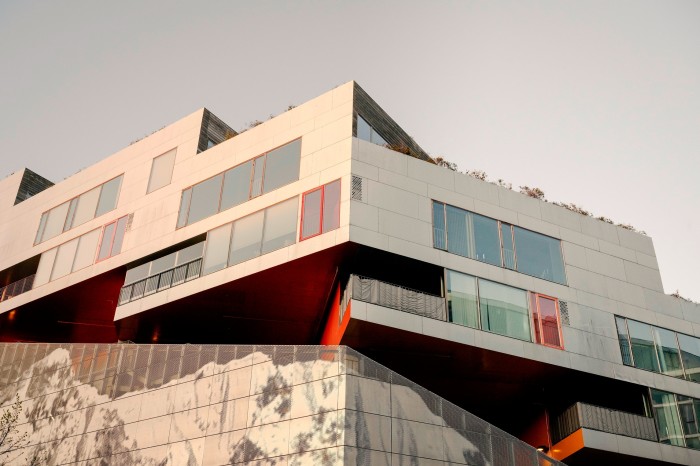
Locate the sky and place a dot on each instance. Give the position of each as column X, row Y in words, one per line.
column 596, row 103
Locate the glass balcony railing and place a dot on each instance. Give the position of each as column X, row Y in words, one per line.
column 397, row 297
column 16, row 288
column 161, row 281
column 602, row 419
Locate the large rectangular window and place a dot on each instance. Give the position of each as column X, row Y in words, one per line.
column 539, row 255
column 668, row 422
column 261, row 175
column 487, row 240
column 320, row 210
column 216, row 254
column 368, row 133
column 658, row 349
column 78, row 210
column 161, row 171
column 280, row 225
column 504, row 310
column 247, row 238
column 462, row 299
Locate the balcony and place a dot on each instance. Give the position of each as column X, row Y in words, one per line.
column 581, row 415
column 397, row 297
column 161, row 281
column 16, row 288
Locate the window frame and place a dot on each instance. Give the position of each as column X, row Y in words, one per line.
column 322, row 209
column 537, row 315
column 172, row 170
column 111, row 241
column 251, row 176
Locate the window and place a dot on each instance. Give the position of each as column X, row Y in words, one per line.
column 690, row 355
column 249, row 237
column 78, row 210
column 471, row 235
column 504, row 310
column 261, row 175
column 320, row 210
column 642, row 342
column 623, row 337
column 545, row 317
column 667, row 352
column 366, row 132
column 64, row 259
column 161, row 171
column 112, row 238
column 539, row 255
column 668, row 423
column 280, row 225
column 462, row 302
column 164, row 263
column 69, row 257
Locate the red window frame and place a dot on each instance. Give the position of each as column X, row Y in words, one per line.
column 537, row 320
column 111, row 240
column 322, row 188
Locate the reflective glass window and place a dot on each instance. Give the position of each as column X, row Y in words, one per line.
column 43, row 272
column 643, row 350
column 508, row 247
column 690, row 353
column 64, row 259
column 624, row 340
column 55, row 221
column 106, row 243
column 216, row 252
column 161, row 171
column 205, row 199
column 439, row 233
column 462, row 304
column 459, row 238
column 71, row 213
column 504, row 310
column 137, row 273
column 85, row 255
column 257, row 182
column 184, row 207
column 247, row 237
column 546, row 318
column 282, row 165
column 539, row 255
column 331, row 206
column 87, row 206
column 108, row 196
column 236, row 185
column 311, row 214
column 364, row 131
column 162, row 264
column 280, row 225
column 667, row 418
column 40, row 231
column 119, row 236
column 667, row 352
column 487, row 242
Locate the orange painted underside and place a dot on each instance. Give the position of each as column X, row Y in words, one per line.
column 334, row 330
column 568, row 446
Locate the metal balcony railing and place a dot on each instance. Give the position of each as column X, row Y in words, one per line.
column 162, row 281
column 397, row 297
column 16, row 288
column 602, row 419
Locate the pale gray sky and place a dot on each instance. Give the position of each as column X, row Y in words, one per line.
column 596, row 102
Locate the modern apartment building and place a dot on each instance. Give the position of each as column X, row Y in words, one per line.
column 199, row 251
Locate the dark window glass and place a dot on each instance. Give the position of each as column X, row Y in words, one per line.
column 690, row 352
column 282, row 166
column 668, row 353
column 462, row 301
column 504, row 310
column 487, row 242
column 184, row 207
column 236, row 185
column 539, row 255
column 624, row 339
column 508, row 249
column 668, row 423
column 331, row 206
column 364, row 131
column 458, row 236
column 205, row 199
column 108, row 196
column 643, row 350
column 311, row 216
column 439, row 233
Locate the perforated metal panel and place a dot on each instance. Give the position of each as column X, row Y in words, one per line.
column 356, row 189
column 564, row 312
